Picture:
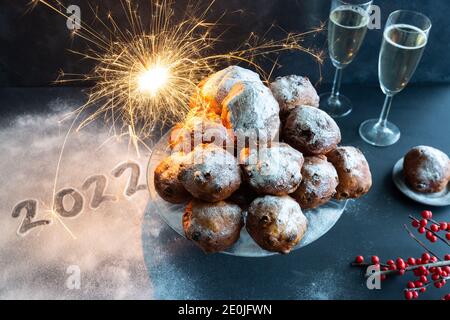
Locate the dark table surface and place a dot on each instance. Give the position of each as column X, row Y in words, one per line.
column 371, row 225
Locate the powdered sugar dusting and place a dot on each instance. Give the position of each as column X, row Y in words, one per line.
column 318, row 122
column 277, row 167
column 434, row 165
column 292, row 91
column 251, row 109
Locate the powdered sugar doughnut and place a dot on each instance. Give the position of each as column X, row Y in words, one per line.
column 426, row 169
column 311, row 131
column 292, row 91
column 276, row 224
column 210, row 173
column 198, row 129
column 166, row 181
column 217, row 87
column 213, row 227
column 250, row 110
column 274, row 170
column 319, row 183
column 355, row 178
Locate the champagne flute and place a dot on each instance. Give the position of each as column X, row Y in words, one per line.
column 347, row 28
column 404, row 40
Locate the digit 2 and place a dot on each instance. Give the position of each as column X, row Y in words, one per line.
column 132, row 186
column 30, row 206
column 99, row 195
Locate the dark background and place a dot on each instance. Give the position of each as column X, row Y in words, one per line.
column 34, row 44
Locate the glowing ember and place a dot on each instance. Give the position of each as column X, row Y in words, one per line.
column 153, row 79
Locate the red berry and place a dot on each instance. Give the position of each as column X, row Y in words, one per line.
column 443, row 226
column 411, row 285
column 383, row 277
column 447, row 297
column 429, row 235
column 444, row 274
column 422, row 270
column 446, row 269
column 447, row 257
column 417, row 272
column 435, row 277
column 408, row 295
column 415, row 294
column 423, row 289
column 421, row 230
column 393, row 267
column 448, row 235
column 423, row 279
column 435, row 228
column 390, row 262
column 426, row 214
column 401, row 272
column 433, row 239
column 443, row 282
column 426, row 256
column 433, row 259
column 375, row 260
column 423, row 222
column 411, row 261
column 359, row 259
column 415, row 223
column 418, row 284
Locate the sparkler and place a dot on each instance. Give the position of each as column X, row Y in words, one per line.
column 145, row 76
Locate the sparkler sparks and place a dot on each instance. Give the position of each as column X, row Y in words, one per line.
column 145, row 76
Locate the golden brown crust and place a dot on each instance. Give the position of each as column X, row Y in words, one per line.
column 198, row 129
column 274, row 170
column 319, row 183
column 311, row 131
column 291, row 91
column 166, row 181
column 210, row 173
column 355, row 178
column 214, row 227
column 276, row 224
column 426, row 169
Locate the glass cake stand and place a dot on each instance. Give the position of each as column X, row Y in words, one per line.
column 320, row 220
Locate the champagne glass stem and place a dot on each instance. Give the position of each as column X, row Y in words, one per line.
column 336, row 84
column 386, row 109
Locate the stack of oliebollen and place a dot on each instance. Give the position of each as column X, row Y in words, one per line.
column 227, row 160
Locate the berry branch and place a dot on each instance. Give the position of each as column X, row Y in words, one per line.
column 428, row 265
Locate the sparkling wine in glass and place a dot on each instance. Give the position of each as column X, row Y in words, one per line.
column 347, row 28
column 404, row 40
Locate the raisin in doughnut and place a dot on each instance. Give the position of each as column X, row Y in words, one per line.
column 292, row 91
column 210, row 173
column 276, row 224
column 251, row 111
column 198, row 129
column 166, row 181
column 319, row 183
column 216, row 87
column 426, row 169
column 214, row 227
column 311, row 131
column 274, row 170
column 355, row 178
